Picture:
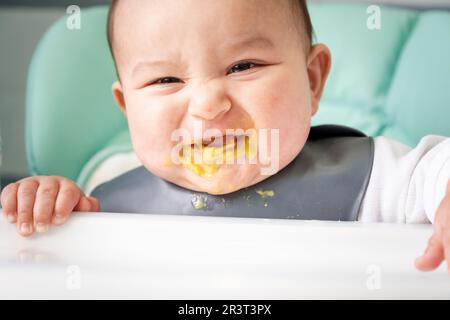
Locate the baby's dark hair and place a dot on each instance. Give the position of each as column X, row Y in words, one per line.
column 299, row 8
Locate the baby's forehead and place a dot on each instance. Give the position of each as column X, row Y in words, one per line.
column 173, row 26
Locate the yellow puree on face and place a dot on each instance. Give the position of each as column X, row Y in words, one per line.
column 213, row 157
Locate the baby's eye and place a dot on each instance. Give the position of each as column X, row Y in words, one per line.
column 166, row 80
column 242, row 67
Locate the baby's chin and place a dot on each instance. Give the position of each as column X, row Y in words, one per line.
column 227, row 179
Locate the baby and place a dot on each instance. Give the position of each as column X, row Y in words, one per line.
column 218, row 74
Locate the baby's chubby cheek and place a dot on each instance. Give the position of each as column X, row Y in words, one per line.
column 151, row 130
column 288, row 114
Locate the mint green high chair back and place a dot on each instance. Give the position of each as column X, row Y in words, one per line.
column 394, row 81
column 70, row 111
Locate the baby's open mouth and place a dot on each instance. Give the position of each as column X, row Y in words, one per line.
column 207, row 156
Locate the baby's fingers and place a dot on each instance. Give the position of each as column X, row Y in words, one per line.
column 433, row 256
column 439, row 244
column 95, row 205
column 9, row 202
column 26, row 195
column 87, row 204
column 445, row 213
column 45, row 203
column 447, row 248
column 67, row 199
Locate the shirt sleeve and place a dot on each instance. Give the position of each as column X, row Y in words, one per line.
column 407, row 184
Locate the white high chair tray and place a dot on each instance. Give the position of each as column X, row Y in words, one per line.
column 108, row 255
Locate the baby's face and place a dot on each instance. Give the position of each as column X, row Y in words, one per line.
column 221, row 65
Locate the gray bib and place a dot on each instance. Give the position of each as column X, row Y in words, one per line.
column 326, row 181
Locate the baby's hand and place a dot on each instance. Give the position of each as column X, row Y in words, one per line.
column 34, row 203
column 439, row 244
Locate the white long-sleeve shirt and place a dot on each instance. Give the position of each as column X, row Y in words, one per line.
column 407, row 184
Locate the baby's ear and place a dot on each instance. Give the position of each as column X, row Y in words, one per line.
column 319, row 63
column 118, row 96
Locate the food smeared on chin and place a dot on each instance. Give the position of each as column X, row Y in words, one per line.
column 205, row 158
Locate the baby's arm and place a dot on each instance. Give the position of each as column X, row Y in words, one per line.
column 438, row 248
column 407, row 184
column 412, row 185
column 34, row 203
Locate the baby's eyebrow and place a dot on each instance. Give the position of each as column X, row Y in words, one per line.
column 252, row 42
column 256, row 42
column 152, row 64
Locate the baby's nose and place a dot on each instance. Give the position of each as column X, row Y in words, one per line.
column 209, row 104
